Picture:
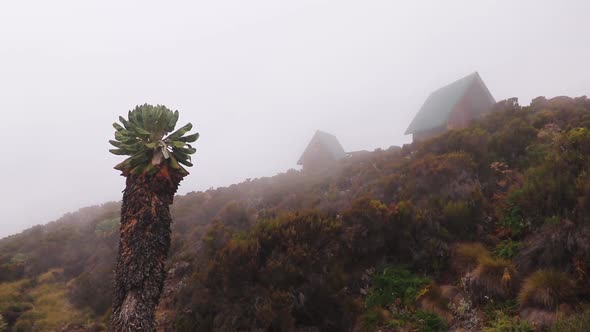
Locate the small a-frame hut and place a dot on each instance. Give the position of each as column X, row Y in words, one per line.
column 451, row 107
column 322, row 152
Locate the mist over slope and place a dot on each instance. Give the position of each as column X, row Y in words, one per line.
column 477, row 229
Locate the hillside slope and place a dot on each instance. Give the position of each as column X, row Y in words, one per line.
column 484, row 228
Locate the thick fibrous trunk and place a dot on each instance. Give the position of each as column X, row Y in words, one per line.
column 143, row 249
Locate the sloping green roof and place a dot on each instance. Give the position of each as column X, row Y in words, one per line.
column 328, row 143
column 440, row 104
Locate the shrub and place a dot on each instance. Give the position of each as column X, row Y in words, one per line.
column 547, row 289
column 507, row 249
column 282, row 268
column 473, row 141
column 393, row 283
column 91, row 290
column 372, row 319
column 495, row 309
column 107, row 227
column 391, row 300
column 371, row 227
column 441, row 176
column 555, row 247
column 459, row 217
column 235, row 215
column 512, row 218
column 547, row 191
column 465, row 315
column 429, row 322
column 511, row 141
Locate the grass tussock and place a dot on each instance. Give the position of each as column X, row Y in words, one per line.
column 50, row 276
column 547, row 289
column 471, row 253
column 492, row 277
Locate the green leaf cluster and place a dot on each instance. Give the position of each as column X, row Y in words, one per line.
column 392, row 283
column 142, row 137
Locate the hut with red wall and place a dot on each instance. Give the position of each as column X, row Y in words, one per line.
column 451, row 107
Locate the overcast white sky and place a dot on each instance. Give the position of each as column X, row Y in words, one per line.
column 256, row 78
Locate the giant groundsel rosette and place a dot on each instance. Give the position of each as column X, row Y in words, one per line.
column 142, row 137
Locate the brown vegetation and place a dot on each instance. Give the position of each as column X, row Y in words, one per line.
column 503, row 198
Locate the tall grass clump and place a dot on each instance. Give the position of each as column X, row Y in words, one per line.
column 471, row 253
column 547, row 289
column 492, row 278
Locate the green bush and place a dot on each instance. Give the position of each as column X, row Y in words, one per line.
column 504, row 323
column 392, row 283
column 511, row 141
column 507, row 249
column 496, row 309
column 429, row 322
column 512, row 218
column 107, row 227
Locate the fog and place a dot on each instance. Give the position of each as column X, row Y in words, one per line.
column 256, row 78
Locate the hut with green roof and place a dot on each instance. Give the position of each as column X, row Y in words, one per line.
column 451, row 107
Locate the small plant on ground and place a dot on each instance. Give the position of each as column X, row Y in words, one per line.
column 495, row 309
column 429, row 322
column 465, row 315
column 505, row 323
column 507, row 249
column 576, row 323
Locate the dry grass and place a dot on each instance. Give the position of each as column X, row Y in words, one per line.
column 471, row 253
column 48, row 307
column 492, row 278
column 434, row 301
column 547, row 289
column 51, row 310
column 50, row 276
column 466, row 257
column 12, row 293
